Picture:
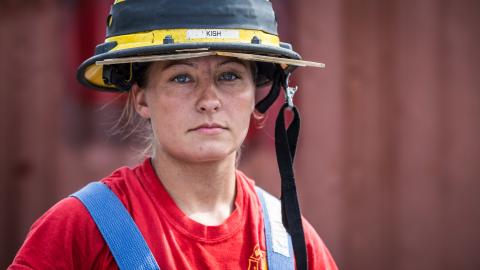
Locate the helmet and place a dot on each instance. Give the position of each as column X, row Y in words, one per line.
column 145, row 30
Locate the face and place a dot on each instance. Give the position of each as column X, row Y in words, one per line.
column 199, row 108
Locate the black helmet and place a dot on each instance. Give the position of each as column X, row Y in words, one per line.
column 147, row 30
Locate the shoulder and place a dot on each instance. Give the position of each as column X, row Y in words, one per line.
column 319, row 256
column 58, row 238
column 121, row 179
column 131, row 184
column 66, row 237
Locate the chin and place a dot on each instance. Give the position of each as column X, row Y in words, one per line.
column 211, row 157
column 208, row 154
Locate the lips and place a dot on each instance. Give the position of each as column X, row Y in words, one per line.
column 209, row 127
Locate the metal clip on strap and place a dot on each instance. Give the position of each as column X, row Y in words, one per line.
column 289, row 92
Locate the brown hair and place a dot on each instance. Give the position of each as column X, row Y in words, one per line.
column 130, row 125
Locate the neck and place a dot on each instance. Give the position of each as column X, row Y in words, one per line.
column 203, row 191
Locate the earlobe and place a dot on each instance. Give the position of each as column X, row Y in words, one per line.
column 140, row 101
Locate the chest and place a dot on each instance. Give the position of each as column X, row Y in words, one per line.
column 151, row 236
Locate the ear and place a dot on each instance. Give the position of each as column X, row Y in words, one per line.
column 140, row 101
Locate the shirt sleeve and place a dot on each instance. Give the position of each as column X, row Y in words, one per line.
column 65, row 237
column 319, row 258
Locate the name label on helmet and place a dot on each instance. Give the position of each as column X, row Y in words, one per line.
column 213, row 33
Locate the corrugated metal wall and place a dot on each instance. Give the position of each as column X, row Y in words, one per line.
column 397, row 119
column 389, row 156
column 31, row 93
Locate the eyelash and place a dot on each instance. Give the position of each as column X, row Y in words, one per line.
column 222, row 76
column 185, row 78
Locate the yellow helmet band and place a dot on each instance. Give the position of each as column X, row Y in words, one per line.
column 175, row 36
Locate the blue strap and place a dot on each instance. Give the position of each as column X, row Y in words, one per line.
column 117, row 227
column 278, row 241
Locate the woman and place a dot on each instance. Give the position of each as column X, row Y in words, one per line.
column 190, row 206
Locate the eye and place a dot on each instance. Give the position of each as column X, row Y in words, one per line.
column 182, row 78
column 229, row 76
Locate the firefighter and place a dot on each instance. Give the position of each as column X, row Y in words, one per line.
column 191, row 70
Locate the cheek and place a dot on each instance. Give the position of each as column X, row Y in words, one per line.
column 242, row 109
column 167, row 116
column 247, row 98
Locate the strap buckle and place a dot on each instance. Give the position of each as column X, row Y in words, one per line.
column 289, row 91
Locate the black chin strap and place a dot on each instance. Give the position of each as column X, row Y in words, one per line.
column 277, row 80
column 285, row 146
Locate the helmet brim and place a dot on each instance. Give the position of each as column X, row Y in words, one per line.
column 90, row 72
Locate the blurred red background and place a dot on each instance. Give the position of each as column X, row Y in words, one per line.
column 388, row 162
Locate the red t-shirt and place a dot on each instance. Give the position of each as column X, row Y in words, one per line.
column 66, row 237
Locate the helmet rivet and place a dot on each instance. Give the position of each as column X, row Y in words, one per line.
column 168, row 40
column 109, row 20
column 256, row 40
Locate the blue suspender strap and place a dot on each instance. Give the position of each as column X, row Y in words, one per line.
column 278, row 241
column 117, row 227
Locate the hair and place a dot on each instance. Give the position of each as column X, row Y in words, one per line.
column 131, row 124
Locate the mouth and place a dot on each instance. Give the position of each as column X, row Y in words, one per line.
column 209, row 128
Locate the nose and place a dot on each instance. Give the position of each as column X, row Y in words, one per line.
column 208, row 100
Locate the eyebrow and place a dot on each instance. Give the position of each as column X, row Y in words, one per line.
column 186, row 62
column 178, row 62
column 233, row 60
